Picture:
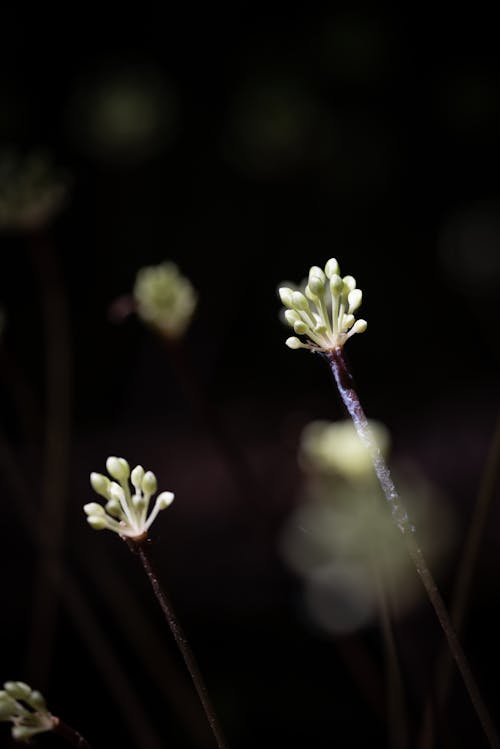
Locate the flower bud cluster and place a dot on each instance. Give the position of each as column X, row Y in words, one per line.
column 324, row 311
column 25, row 708
column 125, row 513
column 165, row 299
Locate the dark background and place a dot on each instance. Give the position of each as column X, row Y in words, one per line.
column 265, row 141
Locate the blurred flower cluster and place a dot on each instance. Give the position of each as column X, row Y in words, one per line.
column 341, row 539
column 165, row 299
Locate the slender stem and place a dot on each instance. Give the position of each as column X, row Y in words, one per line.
column 70, row 735
column 396, row 707
column 55, row 315
column 352, row 403
column 464, row 579
column 141, row 548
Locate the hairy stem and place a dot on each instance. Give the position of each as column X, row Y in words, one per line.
column 352, row 403
column 70, row 735
column 141, row 548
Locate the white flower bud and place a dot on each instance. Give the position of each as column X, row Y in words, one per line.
column 354, row 298
column 336, row 284
column 293, row 343
column 136, row 477
column 18, row 690
column 149, row 483
column 292, row 316
column 164, row 499
column 97, row 522
column 116, row 492
column 299, row 301
column 332, row 268
column 114, row 508
column 300, row 327
column 311, row 295
column 349, row 283
column 92, row 508
column 37, row 700
column 118, row 468
column 359, row 326
column 100, row 484
column 286, row 296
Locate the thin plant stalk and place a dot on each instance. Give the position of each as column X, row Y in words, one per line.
column 140, row 547
column 464, row 580
column 396, row 707
column 55, row 316
column 350, row 398
column 169, row 678
column 69, row 734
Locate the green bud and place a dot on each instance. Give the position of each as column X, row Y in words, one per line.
column 348, row 321
column 292, row 316
column 311, row 295
column 349, row 283
column 286, row 296
column 138, row 501
column 294, row 343
column 18, row 690
column 8, row 708
column 97, row 522
column 300, row 327
column 164, row 499
column 332, row 268
column 37, row 700
column 299, row 301
column 23, row 733
column 136, row 477
column 114, row 508
column 92, row 508
column 149, row 483
column 354, row 298
column 336, row 285
column 100, row 484
column 359, row 326
column 118, row 468
column 315, row 270
column 115, row 492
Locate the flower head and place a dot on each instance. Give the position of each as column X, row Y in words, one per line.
column 125, row 513
column 165, row 299
column 324, row 310
column 25, row 708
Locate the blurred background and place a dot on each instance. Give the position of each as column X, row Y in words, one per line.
column 246, row 145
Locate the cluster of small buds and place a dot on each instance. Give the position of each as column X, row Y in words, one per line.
column 165, row 299
column 25, row 708
column 125, row 513
column 324, row 312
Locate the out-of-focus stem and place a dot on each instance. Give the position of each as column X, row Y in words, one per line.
column 141, row 548
column 352, row 403
column 463, row 582
column 55, row 316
